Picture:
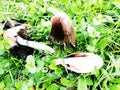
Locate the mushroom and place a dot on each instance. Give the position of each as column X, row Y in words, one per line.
column 35, row 45
column 81, row 62
column 62, row 30
column 18, row 36
column 10, row 34
column 13, row 35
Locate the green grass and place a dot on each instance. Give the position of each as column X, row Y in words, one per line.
column 93, row 35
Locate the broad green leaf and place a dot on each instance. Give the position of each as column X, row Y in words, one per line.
column 7, row 80
column 66, row 82
column 90, row 48
column 62, row 88
column 53, row 87
column 116, row 80
column 46, row 83
column 82, row 85
column 114, row 87
column 9, row 88
column 103, row 43
column 6, row 44
column 2, row 85
column 31, row 88
column 52, row 65
column 1, row 71
column 92, row 32
column 89, row 81
column 30, row 64
column 2, row 51
column 30, row 82
column 59, row 71
column 6, row 64
column 40, row 65
column 17, row 85
column 1, row 48
column 25, row 87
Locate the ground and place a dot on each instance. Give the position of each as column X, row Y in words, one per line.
column 97, row 27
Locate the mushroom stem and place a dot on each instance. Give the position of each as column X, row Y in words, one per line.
column 35, row 45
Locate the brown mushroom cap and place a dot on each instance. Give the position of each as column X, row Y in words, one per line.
column 62, row 30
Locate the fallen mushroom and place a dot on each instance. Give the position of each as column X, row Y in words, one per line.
column 9, row 23
column 11, row 28
column 35, row 45
column 18, row 37
column 10, row 34
column 62, row 30
column 81, row 62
